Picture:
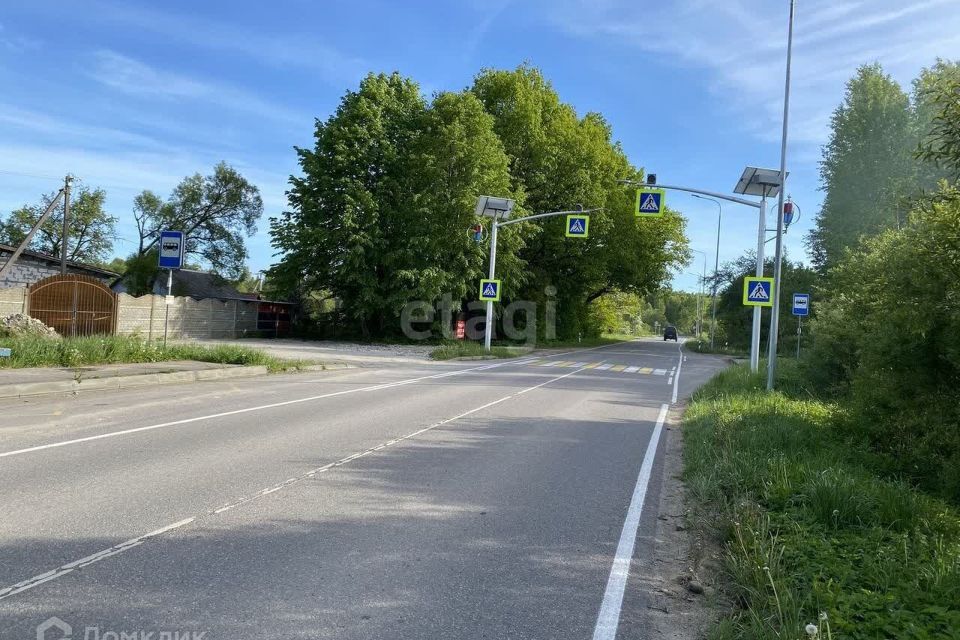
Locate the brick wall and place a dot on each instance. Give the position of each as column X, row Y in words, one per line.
column 12, row 300
column 29, row 269
column 188, row 318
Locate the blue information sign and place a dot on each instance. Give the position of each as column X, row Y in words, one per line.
column 801, row 304
column 171, row 249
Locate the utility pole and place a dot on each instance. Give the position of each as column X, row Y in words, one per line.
column 66, row 223
column 778, row 264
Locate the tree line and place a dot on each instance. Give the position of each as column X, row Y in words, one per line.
column 382, row 211
column 885, row 328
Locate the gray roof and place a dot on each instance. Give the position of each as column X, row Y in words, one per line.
column 46, row 257
column 199, row 284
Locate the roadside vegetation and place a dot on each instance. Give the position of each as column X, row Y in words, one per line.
column 812, row 531
column 840, row 493
column 34, row 351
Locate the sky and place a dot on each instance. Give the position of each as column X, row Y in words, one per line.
column 130, row 96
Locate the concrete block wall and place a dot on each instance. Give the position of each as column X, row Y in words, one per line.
column 188, row 318
column 12, row 300
column 29, row 269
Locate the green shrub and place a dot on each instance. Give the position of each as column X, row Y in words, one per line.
column 807, row 524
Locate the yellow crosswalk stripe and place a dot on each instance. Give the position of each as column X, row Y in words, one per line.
column 618, row 367
column 592, row 365
column 646, row 370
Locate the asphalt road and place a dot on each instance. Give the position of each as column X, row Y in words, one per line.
column 488, row 499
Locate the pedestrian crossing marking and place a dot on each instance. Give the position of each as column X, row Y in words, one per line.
column 599, row 366
column 759, row 292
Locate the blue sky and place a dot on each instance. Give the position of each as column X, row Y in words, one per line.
column 132, row 96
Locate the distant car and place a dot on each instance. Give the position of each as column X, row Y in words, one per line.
column 670, row 333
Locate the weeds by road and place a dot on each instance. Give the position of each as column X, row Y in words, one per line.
column 94, row 350
column 703, row 346
column 811, row 535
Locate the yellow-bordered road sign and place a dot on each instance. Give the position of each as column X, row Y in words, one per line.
column 650, row 202
column 758, row 292
column 578, row 226
column 490, row 290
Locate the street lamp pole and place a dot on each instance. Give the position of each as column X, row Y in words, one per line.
column 716, row 266
column 494, row 210
column 778, row 264
column 703, row 278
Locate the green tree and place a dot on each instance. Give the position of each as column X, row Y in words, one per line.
column 216, row 212
column 891, row 338
column 92, row 229
column 735, row 320
column 938, row 115
column 380, row 216
column 867, row 169
column 559, row 160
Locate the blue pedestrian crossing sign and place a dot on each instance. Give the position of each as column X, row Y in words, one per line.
column 490, row 290
column 650, row 202
column 578, row 226
column 758, row 292
column 801, row 304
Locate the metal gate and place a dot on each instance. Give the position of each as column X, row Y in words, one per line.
column 74, row 305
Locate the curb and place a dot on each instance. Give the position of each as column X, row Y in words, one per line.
column 113, row 383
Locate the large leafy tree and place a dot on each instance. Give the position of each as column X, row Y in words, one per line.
column 91, row 232
column 937, row 99
column 216, row 212
column 868, row 168
column 380, row 215
column 559, row 160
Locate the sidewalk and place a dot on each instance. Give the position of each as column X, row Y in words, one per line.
column 16, row 383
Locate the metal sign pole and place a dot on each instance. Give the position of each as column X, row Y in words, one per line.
column 488, row 326
column 755, row 331
column 799, row 333
column 166, row 306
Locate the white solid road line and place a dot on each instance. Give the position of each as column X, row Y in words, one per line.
column 63, row 570
column 261, row 407
column 676, row 377
column 609, row 617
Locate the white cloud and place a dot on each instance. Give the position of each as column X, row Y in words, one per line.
column 742, row 44
column 278, row 49
column 134, row 77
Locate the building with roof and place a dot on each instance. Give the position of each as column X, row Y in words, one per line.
column 33, row 266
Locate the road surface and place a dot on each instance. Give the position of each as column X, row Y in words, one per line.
column 485, row 499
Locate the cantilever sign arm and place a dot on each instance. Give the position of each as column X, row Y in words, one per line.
column 545, row 215
column 713, row 194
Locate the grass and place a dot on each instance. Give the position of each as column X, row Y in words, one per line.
column 702, row 345
column 96, row 350
column 469, row 349
column 806, row 528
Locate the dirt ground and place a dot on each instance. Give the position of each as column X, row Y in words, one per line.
column 680, row 579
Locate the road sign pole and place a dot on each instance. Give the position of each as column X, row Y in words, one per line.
column 755, row 336
column 488, row 326
column 166, row 306
column 799, row 333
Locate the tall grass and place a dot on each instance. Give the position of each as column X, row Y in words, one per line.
column 98, row 350
column 807, row 527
